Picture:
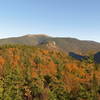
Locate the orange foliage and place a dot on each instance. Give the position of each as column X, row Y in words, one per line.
column 71, row 82
column 34, row 74
column 72, row 75
column 2, row 61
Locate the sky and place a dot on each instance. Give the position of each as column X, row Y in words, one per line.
column 60, row 18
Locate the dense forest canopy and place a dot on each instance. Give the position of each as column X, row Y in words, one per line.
column 31, row 73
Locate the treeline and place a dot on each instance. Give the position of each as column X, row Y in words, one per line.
column 30, row 73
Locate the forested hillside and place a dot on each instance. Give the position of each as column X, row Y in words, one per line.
column 63, row 43
column 31, row 73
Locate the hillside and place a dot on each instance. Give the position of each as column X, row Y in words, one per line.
column 27, row 40
column 65, row 44
column 31, row 73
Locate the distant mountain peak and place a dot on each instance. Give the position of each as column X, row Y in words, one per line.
column 45, row 41
column 32, row 35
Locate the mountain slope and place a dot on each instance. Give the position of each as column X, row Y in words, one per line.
column 64, row 44
column 27, row 40
column 75, row 45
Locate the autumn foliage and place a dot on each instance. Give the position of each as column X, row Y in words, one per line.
column 32, row 73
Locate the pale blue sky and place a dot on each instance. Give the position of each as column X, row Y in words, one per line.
column 69, row 18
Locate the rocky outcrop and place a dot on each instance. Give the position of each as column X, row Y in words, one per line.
column 51, row 44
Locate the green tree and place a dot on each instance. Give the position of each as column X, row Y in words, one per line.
column 12, row 84
column 1, row 88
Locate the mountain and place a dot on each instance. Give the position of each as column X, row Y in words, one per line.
column 27, row 39
column 32, row 73
column 64, row 44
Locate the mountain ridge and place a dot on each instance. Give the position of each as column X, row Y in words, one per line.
column 67, row 44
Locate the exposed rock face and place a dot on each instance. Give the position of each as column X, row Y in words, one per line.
column 51, row 44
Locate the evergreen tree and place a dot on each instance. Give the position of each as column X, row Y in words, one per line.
column 1, row 88
column 12, row 84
